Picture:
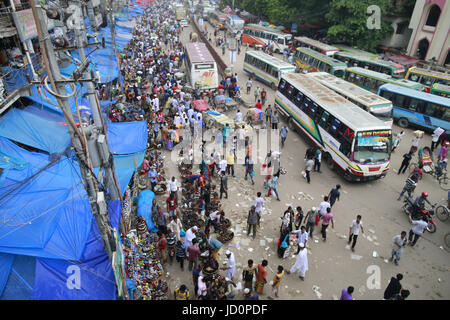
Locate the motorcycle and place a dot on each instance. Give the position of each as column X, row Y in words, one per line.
column 408, row 208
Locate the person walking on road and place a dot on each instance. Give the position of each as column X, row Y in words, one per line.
column 259, row 203
column 417, row 230
column 346, row 294
column 283, row 133
column 334, row 195
column 308, row 168
column 252, row 220
column 248, row 273
column 268, row 114
column 405, row 163
column 276, row 283
column 310, row 220
column 302, row 237
column 249, row 85
column 317, row 160
column 263, row 96
column 275, row 120
column 223, row 185
column 249, row 168
column 274, row 186
column 257, row 93
column 398, row 243
column 298, row 218
column 301, row 264
column 354, row 231
column 261, row 277
column 193, row 254
column 231, row 265
column 326, row 218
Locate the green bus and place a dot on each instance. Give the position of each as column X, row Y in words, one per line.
column 441, row 90
column 311, row 60
column 356, row 51
column 378, row 65
column 372, row 80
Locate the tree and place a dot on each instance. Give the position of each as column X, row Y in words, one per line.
column 348, row 23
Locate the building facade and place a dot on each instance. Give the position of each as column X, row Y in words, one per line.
column 430, row 24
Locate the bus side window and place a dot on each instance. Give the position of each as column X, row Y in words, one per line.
column 280, row 40
column 333, row 128
column 298, row 99
column 318, row 114
column 275, row 73
column 327, row 68
column 282, row 85
column 399, row 100
column 421, row 106
column 429, row 110
column 321, row 65
column 305, row 105
column 438, row 111
column 413, row 104
column 446, row 115
column 312, row 110
column 289, row 92
column 386, row 94
column 413, row 77
column 323, row 119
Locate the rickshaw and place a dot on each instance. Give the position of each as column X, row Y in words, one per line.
column 255, row 118
column 438, row 171
column 223, row 103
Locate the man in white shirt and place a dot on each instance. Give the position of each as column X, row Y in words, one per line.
column 222, row 165
column 324, row 205
column 177, row 120
column 231, row 265
column 354, row 231
column 302, row 236
column 259, row 204
column 238, row 117
column 173, row 187
column 417, row 229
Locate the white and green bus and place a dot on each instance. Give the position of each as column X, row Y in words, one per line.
column 378, row 106
column 372, row 80
column 349, row 137
column 310, row 60
column 266, row 68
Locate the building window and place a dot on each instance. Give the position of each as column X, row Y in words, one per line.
column 433, row 16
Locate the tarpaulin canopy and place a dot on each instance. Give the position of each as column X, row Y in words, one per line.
column 33, row 130
column 120, row 135
column 200, row 105
column 145, row 201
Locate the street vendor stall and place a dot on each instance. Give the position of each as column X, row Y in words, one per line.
column 223, row 103
column 214, row 119
column 200, row 105
column 255, row 118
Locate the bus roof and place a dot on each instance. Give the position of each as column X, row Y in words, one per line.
column 417, row 94
column 260, row 27
column 369, row 59
column 198, row 52
column 441, row 87
column 356, row 51
column 433, row 73
column 387, row 78
column 271, row 60
column 346, row 111
column 348, row 88
column 322, row 57
column 316, row 43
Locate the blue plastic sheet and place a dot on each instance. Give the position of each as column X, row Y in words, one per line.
column 21, row 278
column 145, row 200
column 6, row 261
column 35, row 131
column 127, row 137
column 14, row 78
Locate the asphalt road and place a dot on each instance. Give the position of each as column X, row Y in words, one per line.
column 332, row 266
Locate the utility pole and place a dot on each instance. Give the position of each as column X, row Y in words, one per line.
column 96, row 197
column 112, row 26
column 98, row 129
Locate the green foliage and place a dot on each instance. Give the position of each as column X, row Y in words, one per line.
column 348, row 22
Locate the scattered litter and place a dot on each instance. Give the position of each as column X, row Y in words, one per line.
column 356, row 257
column 250, row 249
column 343, row 236
column 269, row 240
column 286, row 287
column 376, row 243
column 371, row 231
column 439, row 280
column 362, row 290
column 386, row 260
column 297, row 291
column 317, row 292
column 267, row 248
column 288, row 204
column 344, row 191
column 316, row 241
column 374, row 254
column 347, row 247
column 335, row 297
column 441, row 247
column 369, row 238
column 237, row 204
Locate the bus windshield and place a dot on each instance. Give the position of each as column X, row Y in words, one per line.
column 288, row 39
column 372, row 147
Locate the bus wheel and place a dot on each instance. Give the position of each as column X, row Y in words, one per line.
column 403, row 122
column 330, row 162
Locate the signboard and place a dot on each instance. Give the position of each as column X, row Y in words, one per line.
column 118, row 265
column 26, row 27
column 294, row 28
column 373, row 138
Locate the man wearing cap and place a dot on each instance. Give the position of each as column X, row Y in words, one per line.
column 231, row 265
column 190, row 235
column 249, row 296
column 230, row 291
column 301, row 265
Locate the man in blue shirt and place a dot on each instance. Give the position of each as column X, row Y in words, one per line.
column 284, row 131
column 152, row 176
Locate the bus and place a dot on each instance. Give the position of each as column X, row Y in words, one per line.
column 372, row 80
column 257, row 35
column 310, row 60
column 265, row 67
column 378, row 65
column 366, row 100
column 234, row 24
column 201, row 67
column 356, row 51
column 441, row 90
column 427, row 77
column 180, row 12
column 218, row 20
column 305, row 42
column 349, row 137
column 419, row 108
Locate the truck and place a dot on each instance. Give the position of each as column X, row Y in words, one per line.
column 180, row 12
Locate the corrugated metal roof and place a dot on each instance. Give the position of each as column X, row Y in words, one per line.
column 198, row 52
